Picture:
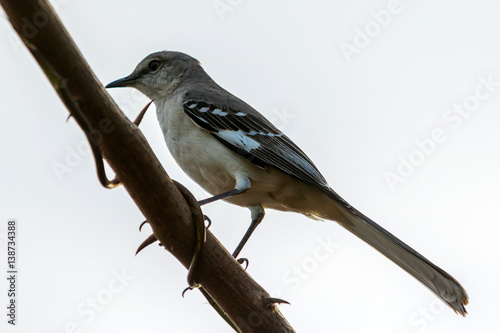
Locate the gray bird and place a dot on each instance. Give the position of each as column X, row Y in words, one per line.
column 237, row 155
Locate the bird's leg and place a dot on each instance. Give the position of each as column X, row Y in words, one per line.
column 222, row 196
column 242, row 185
column 257, row 217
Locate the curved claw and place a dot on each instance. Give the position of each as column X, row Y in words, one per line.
column 184, row 291
column 272, row 300
column 243, row 260
column 142, row 224
column 150, row 240
column 209, row 222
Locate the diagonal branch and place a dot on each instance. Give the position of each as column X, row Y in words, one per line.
column 126, row 150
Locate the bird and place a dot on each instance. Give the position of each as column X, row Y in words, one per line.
column 237, row 155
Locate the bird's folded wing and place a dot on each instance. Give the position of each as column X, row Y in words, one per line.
column 245, row 131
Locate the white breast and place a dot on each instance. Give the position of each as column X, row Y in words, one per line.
column 202, row 157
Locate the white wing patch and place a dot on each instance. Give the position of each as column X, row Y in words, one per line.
column 219, row 112
column 239, row 139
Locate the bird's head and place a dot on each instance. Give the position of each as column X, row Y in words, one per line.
column 159, row 74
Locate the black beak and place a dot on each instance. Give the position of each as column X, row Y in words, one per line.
column 123, row 82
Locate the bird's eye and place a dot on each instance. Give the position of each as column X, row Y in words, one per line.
column 154, row 65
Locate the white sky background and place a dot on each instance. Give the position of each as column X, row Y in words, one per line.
column 355, row 119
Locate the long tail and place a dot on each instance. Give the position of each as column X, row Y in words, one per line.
column 437, row 280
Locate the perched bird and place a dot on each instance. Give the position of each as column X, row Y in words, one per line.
column 237, row 155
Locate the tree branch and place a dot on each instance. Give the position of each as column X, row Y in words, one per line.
column 129, row 154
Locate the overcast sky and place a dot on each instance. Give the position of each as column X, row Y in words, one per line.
column 396, row 102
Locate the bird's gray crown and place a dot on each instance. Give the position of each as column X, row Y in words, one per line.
column 171, row 56
column 160, row 73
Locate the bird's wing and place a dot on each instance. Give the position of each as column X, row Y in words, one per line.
column 249, row 134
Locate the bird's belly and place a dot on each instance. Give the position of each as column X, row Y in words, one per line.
column 203, row 161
